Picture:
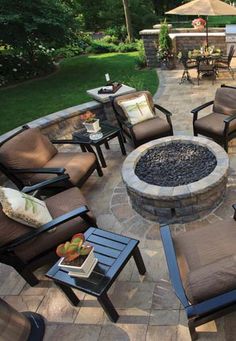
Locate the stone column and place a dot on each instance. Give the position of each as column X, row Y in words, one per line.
column 150, row 39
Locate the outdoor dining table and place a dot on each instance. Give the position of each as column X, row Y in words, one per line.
column 208, row 57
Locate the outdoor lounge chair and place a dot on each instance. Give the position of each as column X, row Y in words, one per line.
column 146, row 130
column 26, row 249
column 220, row 124
column 202, row 268
column 224, row 62
column 29, row 157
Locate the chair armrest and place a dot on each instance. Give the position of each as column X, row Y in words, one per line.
column 230, row 118
column 46, row 183
column 173, row 265
column 38, row 170
column 234, row 207
column 228, row 86
column 127, row 124
column 196, row 110
column 80, row 211
column 165, row 111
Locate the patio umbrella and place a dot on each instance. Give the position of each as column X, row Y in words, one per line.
column 206, row 8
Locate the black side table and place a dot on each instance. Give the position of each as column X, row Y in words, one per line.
column 113, row 252
column 109, row 132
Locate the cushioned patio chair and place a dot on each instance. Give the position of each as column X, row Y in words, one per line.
column 202, row 268
column 220, row 124
column 148, row 129
column 224, row 62
column 29, row 157
column 25, row 248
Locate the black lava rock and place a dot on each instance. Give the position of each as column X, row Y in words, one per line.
column 175, row 164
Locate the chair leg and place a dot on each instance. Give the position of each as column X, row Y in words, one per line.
column 231, row 72
column 29, row 277
column 226, row 145
column 192, row 331
column 99, row 169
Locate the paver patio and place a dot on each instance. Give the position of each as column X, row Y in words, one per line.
column 148, row 309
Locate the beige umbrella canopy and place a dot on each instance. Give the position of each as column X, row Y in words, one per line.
column 204, row 7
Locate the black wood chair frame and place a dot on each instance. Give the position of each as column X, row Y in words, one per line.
column 25, row 269
column 11, row 173
column 203, row 312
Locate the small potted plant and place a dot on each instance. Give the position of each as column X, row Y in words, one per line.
column 90, row 122
column 77, row 256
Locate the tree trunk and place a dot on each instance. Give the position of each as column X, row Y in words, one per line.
column 128, row 20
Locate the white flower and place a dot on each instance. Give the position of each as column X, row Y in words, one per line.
column 52, row 49
column 0, row 65
column 15, row 70
column 40, row 46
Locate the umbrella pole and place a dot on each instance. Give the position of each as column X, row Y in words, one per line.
column 207, row 32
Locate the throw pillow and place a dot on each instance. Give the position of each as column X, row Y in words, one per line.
column 137, row 109
column 24, row 208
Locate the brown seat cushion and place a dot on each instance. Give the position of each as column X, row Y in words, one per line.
column 221, row 275
column 151, row 129
column 77, row 165
column 225, row 101
column 29, row 149
column 214, row 124
column 57, row 205
column 202, row 247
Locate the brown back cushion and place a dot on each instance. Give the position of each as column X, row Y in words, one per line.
column 225, row 101
column 131, row 96
column 29, row 149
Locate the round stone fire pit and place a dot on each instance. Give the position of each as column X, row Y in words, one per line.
column 176, row 179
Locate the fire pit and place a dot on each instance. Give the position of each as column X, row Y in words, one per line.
column 176, row 179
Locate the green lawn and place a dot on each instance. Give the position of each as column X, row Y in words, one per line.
column 67, row 87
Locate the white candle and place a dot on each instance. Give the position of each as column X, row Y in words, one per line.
column 107, row 77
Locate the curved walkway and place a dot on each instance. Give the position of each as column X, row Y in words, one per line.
column 147, row 306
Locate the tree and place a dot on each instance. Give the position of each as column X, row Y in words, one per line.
column 128, row 20
column 25, row 24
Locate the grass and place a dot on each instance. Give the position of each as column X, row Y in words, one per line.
column 67, row 88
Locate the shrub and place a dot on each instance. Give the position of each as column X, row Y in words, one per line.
column 119, row 32
column 110, row 39
column 140, row 61
column 18, row 67
column 67, row 52
column 98, row 46
column 127, row 47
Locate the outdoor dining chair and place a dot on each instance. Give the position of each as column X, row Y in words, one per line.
column 188, row 64
column 29, row 157
column 145, row 129
column 224, row 63
column 202, row 268
column 220, row 123
column 26, row 248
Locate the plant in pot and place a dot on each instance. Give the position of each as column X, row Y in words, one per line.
column 199, row 24
column 77, row 256
column 165, row 54
column 91, row 124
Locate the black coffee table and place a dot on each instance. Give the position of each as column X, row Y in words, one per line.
column 109, row 132
column 113, row 252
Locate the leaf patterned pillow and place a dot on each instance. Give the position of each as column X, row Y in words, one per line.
column 24, row 208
